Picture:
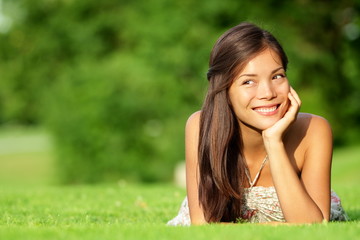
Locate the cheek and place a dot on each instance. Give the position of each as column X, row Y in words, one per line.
column 287, row 86
column 239, row 100
column 283, row 88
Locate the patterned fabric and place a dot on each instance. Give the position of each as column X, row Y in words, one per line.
column 337, row 212
column 261, row 204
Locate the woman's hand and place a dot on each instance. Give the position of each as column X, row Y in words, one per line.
column 276, row 132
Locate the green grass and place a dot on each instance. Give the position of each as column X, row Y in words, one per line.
column 38, row 209
column 129, row 211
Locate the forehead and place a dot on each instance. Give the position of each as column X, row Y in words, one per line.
column 265, row 61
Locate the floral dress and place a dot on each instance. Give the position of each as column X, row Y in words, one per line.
column 261, row 204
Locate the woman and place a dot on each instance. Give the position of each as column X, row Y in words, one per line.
column 250, row 156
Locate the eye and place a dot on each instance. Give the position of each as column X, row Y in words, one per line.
column 248, row 82
column 279, row 75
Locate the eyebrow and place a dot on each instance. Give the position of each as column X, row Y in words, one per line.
column 253, row 75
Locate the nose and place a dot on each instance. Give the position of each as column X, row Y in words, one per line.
column 266, row 91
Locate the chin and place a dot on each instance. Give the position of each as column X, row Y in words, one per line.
column 266, row 126
column 261, row 126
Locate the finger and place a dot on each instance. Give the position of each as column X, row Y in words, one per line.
column 294, row 106
column 293, row 101
column 296, row 96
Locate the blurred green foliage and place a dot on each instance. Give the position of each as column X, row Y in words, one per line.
column 116, row 80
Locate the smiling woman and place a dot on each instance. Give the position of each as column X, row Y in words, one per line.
column 259, row 96
column 250, row 156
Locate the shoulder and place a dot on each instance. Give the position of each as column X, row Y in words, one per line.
column 192, row 128
column 312, row 124
column 193, row 121
column 192, row 140
column 312, row 131
column 310, row 140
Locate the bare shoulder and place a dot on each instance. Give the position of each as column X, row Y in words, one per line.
column 312, row 124
column 192, row 131
column 310, row 137
column 310, row 130
column 193, row 121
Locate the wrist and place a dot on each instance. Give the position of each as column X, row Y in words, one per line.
column 271, row 139
column 272, row 142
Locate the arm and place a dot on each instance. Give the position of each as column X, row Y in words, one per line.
column 192, row 168
column 305, row 199
column 316, row 170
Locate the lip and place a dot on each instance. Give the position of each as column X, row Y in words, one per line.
column 267, row 110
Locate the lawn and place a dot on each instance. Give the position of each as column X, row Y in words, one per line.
column 39, row 209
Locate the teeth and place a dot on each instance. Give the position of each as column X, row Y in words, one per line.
column 266, row 110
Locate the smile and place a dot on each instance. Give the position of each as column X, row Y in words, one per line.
column 266, row 110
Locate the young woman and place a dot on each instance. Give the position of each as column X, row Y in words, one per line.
column 250, row 156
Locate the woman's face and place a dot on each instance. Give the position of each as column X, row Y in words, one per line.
column 259, row 95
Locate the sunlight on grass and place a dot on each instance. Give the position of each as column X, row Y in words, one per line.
column 346, row 178
column 345, row 167
column 26, row 157
column 129, row 211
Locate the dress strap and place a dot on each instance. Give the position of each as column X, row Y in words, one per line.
column 252, row 183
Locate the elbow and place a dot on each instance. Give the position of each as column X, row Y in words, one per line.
column 326, row 217
column 310, row 219
column 310, row 216
column 318, row 220
column 198, row 222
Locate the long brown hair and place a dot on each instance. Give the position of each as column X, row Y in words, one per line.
column 221, row 163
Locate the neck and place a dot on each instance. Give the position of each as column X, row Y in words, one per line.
column 253, row 144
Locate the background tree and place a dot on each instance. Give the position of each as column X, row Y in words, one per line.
column 114, row 81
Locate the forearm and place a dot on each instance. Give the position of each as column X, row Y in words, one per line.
column 295, row 202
